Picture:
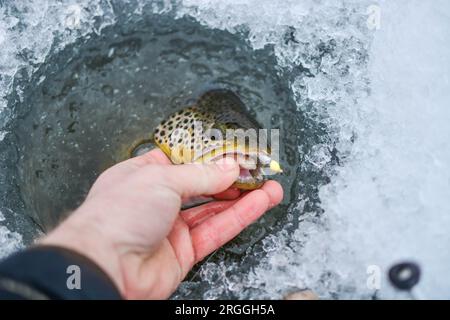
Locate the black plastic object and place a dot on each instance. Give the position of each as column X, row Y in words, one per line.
column 405, row 275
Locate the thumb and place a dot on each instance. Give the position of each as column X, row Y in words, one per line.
column 191, row 180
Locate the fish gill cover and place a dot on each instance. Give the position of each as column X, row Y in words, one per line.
column 380, row 168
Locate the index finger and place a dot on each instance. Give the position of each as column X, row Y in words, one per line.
column 222, row 227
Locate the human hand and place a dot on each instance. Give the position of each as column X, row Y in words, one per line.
column 131, row 224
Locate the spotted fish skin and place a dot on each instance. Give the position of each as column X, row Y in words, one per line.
column 198, row 133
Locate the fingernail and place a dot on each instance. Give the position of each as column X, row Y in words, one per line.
column 226, row 164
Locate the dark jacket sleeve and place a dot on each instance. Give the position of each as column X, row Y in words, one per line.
column 45, row 272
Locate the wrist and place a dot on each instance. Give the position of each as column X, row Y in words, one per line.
column 87, row 239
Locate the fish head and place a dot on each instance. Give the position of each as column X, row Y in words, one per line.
column 218, row 126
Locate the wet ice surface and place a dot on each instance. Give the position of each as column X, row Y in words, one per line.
column 98, row 98
column 381, row 99
column 9, row 241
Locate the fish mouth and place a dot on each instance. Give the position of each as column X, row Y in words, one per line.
column 254, row 167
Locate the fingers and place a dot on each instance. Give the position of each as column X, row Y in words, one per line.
column 197, row 215
column 190, row 180
column 218, row 229
column 275, row 192
column 221, row 228
column 229, row 194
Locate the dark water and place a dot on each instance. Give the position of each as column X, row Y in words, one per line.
column 90, row 103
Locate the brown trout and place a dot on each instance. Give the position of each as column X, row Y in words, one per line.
column 217, row 126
